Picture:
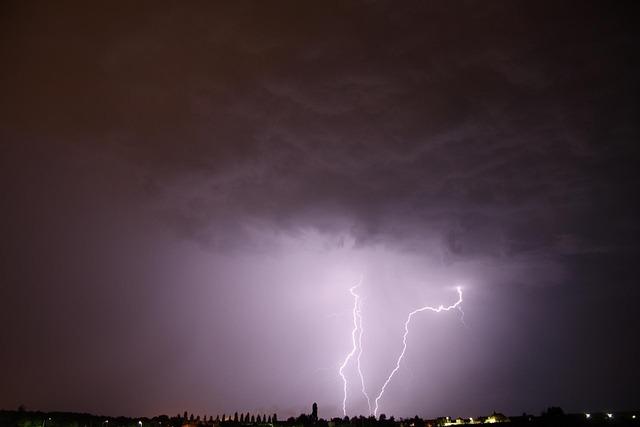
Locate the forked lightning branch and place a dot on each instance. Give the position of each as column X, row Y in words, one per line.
column 356, row 346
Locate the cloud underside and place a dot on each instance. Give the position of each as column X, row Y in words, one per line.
column 496, row 131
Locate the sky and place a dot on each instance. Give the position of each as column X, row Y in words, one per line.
column 189, row 191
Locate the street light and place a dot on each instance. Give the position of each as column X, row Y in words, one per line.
column 609, row 416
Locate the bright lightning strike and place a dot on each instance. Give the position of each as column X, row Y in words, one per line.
column 356, row 316
column 404, row 340
column 462, row 317
column 358, row 360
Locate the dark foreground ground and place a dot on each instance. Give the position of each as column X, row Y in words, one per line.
column 22, row 418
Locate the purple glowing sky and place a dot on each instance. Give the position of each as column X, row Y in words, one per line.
column 190, row 190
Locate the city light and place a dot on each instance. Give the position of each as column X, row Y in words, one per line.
column 587, row 416
column 609, row 415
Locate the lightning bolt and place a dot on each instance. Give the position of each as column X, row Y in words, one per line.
column 462, row 317
column 356, row 316
column 438, row 309
column 358, row 360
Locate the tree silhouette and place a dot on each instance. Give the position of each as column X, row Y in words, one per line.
column 253, row 419
column 553, row 411
column 235, row 417
column 274, row 419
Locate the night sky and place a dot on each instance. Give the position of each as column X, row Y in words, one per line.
column 189, row 190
